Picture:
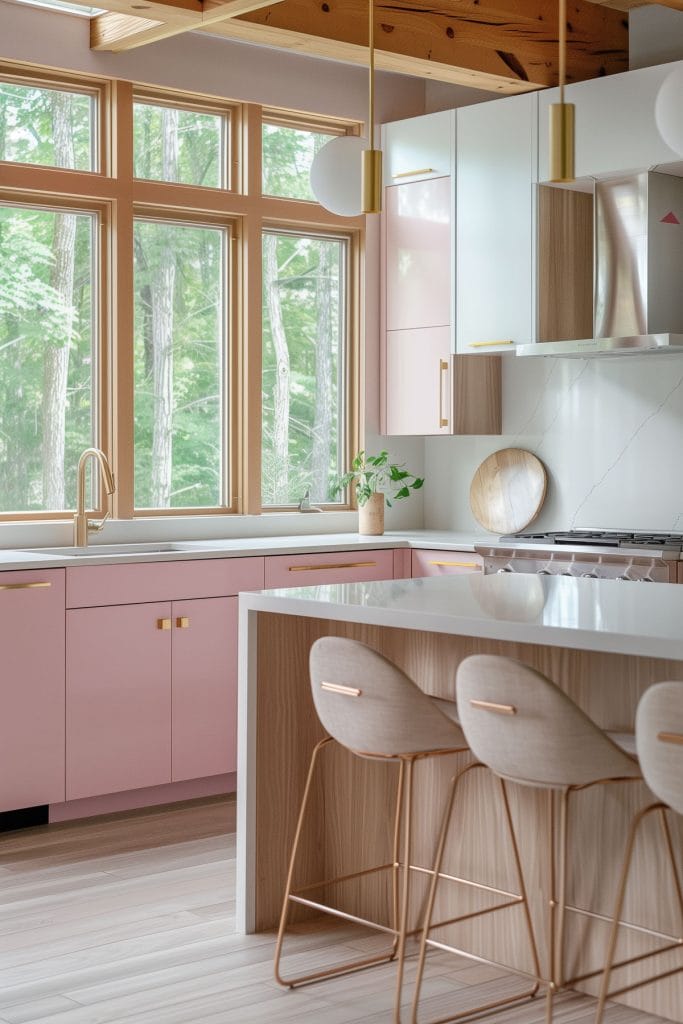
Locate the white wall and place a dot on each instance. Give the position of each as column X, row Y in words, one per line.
column 610, row 432
column 203, row 63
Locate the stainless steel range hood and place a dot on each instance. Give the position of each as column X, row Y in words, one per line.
column 638, row 270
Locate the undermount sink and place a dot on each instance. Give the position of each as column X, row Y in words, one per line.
column 99, row 550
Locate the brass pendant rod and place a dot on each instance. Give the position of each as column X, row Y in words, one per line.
column 371, row 96
column 563, row 48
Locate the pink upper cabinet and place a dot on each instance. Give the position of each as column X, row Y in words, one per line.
column 418, row 254
column 31, row 688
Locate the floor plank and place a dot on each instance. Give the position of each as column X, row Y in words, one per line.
column 129, row 919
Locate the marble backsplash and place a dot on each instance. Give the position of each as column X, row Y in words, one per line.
column 609, row 431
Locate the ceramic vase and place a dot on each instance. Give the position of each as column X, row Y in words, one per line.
column 371, row 515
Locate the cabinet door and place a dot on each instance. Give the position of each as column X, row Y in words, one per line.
column 418, row 147
column 616, row 128
column 445, row 563
column 204, row 688
column 31, row 688
column 495, row 224
column 418, row 381
column 418, row 261
column 118, row 698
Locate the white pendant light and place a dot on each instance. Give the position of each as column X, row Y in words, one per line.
column 669, row 110
column 336, row 175
column 346, row 174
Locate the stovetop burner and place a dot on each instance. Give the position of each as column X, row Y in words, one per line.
column 603, row 538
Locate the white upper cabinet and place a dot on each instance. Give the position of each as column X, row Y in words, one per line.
column 496, row 173
column 616, row 128
column 418, row 148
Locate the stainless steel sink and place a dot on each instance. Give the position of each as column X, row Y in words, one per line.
column 100, row 550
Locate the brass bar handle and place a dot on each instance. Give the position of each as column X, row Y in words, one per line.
column 443, row 368
column 163, row 623
column 500, row 709
column 182, row 622
column 25, row 586
column 489, row 344
column 330, row 565
column 460, row 565
column 411, row 174
column 345, row 691
column 671, row 737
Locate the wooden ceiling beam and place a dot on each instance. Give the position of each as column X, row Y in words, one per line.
column 504, row 46
column 115, row 32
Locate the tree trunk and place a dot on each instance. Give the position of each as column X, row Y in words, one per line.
column 280, row 494
column 322, row 426
column 56, row 360
column 162, row 289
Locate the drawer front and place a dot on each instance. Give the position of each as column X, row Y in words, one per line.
column 329, row 567
column 137, row 583
column 445, row 563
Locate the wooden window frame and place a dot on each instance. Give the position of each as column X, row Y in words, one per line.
column 230, row 390
column 101, row 321
column 228, row 110
column 351, row 419
column 119, row 197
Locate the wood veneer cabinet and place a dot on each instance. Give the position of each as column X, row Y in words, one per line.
column 31, row 688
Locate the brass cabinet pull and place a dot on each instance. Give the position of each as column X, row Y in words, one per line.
column 411, row 174
column 670, row 737
column 488, row 344
column 345, row 691
column 443, row 368
column 163, row 623
column 330, row 565
column 500, row 709
column 460, row 565
column 182, row 622
column 25, row 586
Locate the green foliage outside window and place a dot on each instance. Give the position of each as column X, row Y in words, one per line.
column 176, row 145
column 34, row 128
column 287, row 157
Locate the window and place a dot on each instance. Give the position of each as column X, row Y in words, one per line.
column 180, row 358
column 156, row 305
column 47, row 126
column 48, row 354
column 287, row 157
column 179, row 145
column 304, row 365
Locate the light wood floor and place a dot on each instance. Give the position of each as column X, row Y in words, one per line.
column 130, row 919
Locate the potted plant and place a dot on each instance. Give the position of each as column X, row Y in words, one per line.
column 376, row 480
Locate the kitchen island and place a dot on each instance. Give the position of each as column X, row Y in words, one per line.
column 603, row 642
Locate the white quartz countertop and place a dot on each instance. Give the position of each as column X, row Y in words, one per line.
column 240, row 547
column 597, row 615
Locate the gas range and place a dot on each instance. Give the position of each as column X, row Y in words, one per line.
column 603, row 539
column 625, row 555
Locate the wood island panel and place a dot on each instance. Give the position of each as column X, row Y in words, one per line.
column 350, row 825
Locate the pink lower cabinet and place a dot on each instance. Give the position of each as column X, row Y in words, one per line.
column 118, row 698
column 31, row 688
column 204, row 688
column 445, row 563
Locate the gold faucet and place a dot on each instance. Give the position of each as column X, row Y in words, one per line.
column 83, row 525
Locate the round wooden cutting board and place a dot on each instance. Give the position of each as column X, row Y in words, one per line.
column 507, row 490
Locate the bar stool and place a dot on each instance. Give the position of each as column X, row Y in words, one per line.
column 523, row 728
column 659, row 741
column 371, row 708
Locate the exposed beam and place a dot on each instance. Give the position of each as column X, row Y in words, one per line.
column 116, row 32
column 501, row 45
column 628, row 5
